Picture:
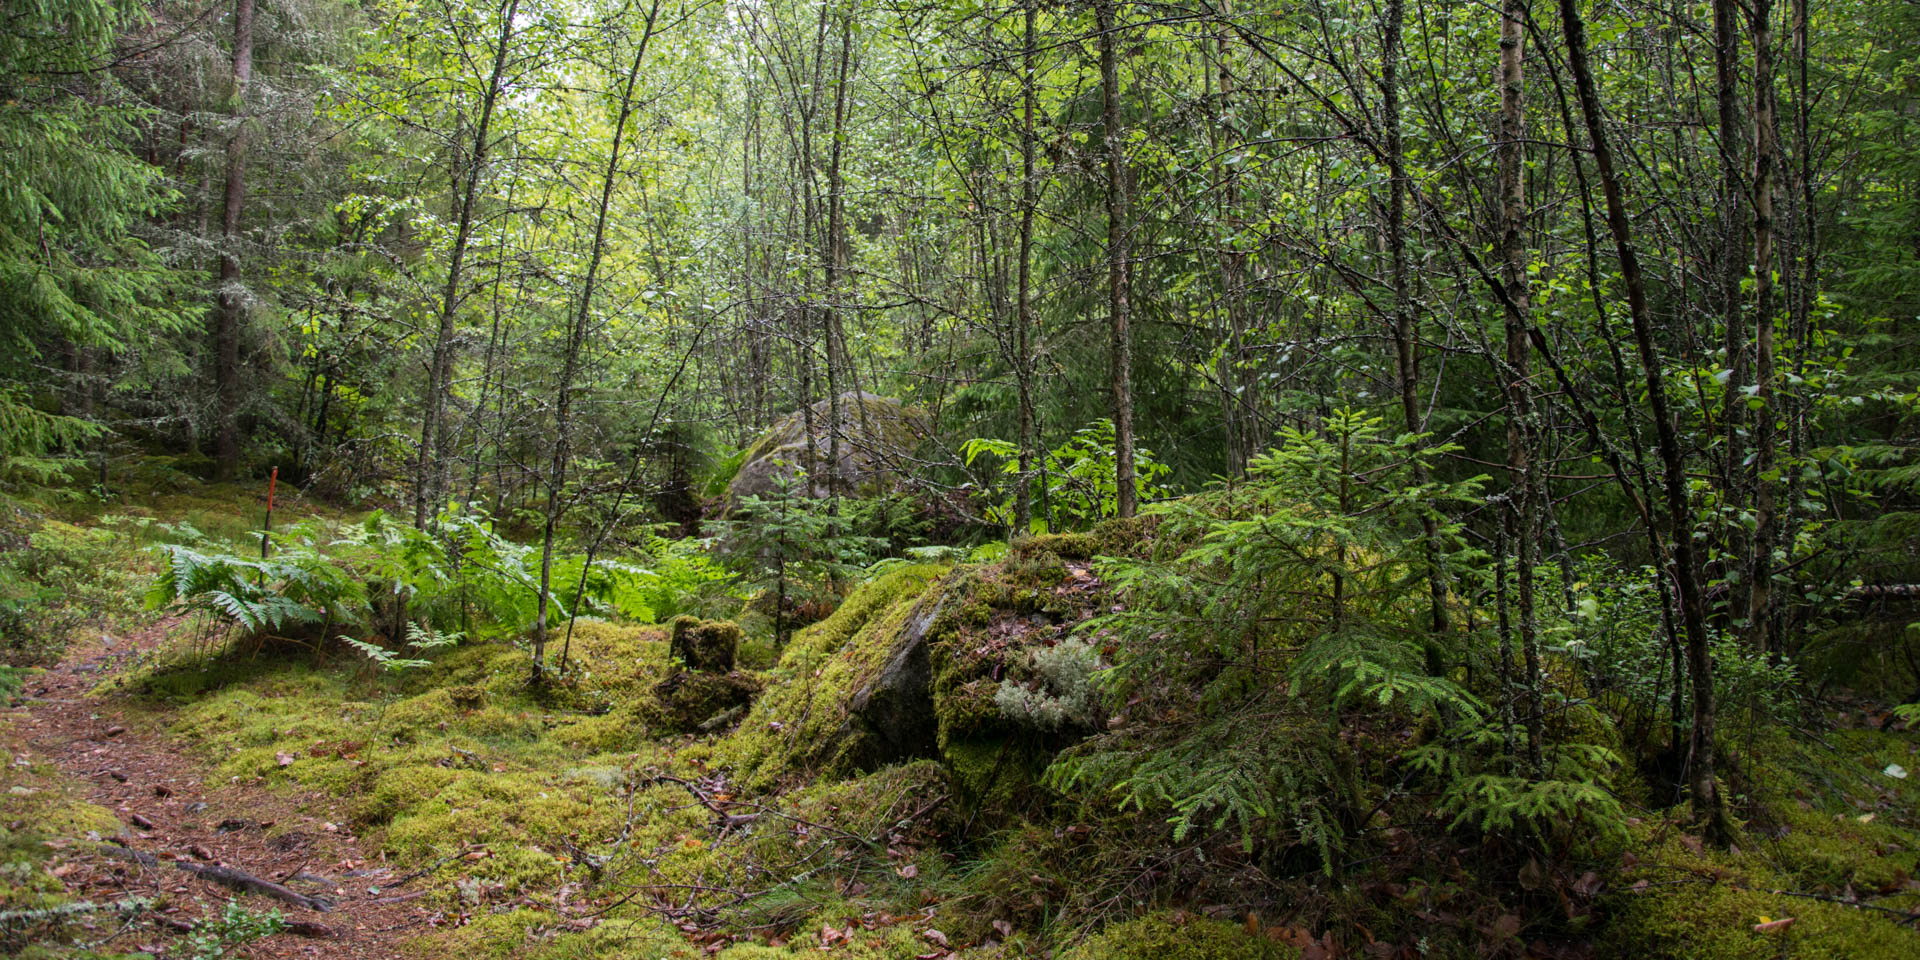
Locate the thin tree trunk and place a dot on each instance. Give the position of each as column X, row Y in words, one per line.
column 1800, row 306
column 440, row 373
column 1119, row 225
column 1522, row 426
column 810, row 225
column 1023, row 314
column 1686, row 568
column 831, row 256
column 576, row 338
column 1406, row 357
column 1236, row 398
column 1733, row 259
column 1759, row 574
column 231, row 306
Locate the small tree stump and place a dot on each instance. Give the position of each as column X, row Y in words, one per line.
column 706, row 646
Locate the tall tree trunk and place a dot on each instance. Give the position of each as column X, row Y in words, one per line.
column 1686, row 566
column 1800, row 306
column 1523, row 430
column 1406, row 356
column 1759, row 574
column 1733, row 260
column 576, row 340
column 1023, row 364
column 832, row 257
column 433, row 434
column 810, row 231
column 231, row 306
column 1636, row 484
column 1119, row 227
column 1242, row 434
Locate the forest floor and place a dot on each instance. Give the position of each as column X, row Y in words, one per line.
column 449, row 811
column 175, row 821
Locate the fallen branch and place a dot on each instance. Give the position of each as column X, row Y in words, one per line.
column 248, row 883
column 226, row 876
column 128, row 853
column 1905, row 916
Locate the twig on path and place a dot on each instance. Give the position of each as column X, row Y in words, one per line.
column 247, row 882
column 226, row 876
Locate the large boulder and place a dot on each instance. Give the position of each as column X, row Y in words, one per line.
column 980, row 668
column 876, row 435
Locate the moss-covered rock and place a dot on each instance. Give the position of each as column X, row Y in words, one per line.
column 890, row 717
column 911, row 666
column 704, row 645
column 801, row 721
column 1077, row 546
column 1167, row 936
column 875, row 433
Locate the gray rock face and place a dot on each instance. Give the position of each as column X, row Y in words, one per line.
column 875, row 434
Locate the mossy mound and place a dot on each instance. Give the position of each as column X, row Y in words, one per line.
column 794, row 728
column 705, row 645
column 1832, row 844
column 1716, row 920
column 533, row 934
column 1076, row 546
column 989, row 653
column 44, row 814
column 1168, row 936
column 902, row 804
column 886, row 943
column 690, row 701
column 461, row 753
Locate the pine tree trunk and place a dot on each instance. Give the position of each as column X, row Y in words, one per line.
column 1119, row 226
column 1759, row 574
column 231, row 306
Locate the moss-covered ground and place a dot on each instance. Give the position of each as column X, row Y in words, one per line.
column 44, row 815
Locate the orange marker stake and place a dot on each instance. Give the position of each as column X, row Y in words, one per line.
column 266, row 529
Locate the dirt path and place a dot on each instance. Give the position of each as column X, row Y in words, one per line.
column 180, row 831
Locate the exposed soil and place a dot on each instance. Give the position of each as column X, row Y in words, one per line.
column 176, row 825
